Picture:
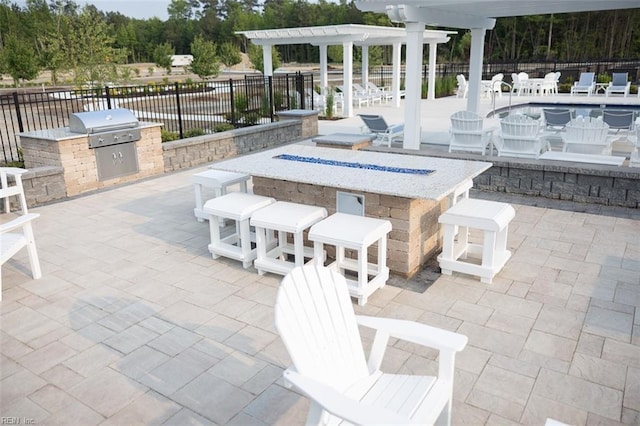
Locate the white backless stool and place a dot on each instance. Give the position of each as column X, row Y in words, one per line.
column 285, row 218
column 489, row 216
column 239, row 207
column 346, row 231
column 217, row 180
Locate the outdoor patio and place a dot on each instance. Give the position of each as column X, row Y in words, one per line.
column 133, row 322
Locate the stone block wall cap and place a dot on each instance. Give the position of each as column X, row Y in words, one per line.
column 297, row 113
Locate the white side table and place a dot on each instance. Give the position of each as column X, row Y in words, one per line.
column 239, row 207
column 218, row 181
column 346, row 231
column 489, row 216
column 285, row 218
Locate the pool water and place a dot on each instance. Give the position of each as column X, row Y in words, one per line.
column 534, row 110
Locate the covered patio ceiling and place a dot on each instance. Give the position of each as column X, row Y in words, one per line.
column 476, row 15
column 348, row 35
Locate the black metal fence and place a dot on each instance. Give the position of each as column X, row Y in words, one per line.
column 184, row 108
column 570, row 71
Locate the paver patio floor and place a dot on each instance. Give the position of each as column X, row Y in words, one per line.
column 133, row 322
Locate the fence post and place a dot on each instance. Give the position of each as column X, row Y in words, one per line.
column 233, row 103
column 271, row 100
column 177, row 86
column 16, row 102
column 300, row 89
column 108, row 95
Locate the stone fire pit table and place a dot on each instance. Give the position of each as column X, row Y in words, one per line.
column 410, row 191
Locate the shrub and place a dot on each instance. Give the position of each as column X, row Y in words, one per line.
column 192, row 133
column 168, row 136
column 223, row 127
column 328, row 109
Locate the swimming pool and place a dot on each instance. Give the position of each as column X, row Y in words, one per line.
column 534, row 109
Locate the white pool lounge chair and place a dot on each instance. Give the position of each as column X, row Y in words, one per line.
column 586, row 84
column 619, row 84
column 315, row 319
column 377, row 125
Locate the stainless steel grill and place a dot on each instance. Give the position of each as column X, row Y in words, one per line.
column 108, row 127
column 112, row 133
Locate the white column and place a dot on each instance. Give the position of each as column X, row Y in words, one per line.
column 266, row 60
column 395, row 76
column 347, row 77
column 431, row 91
column 413, row 85
column 365, row 66
column 323, row 69
column 475, row 68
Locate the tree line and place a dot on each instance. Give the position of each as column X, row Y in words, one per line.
column 60, row 36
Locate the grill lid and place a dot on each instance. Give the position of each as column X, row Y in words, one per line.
column 102, row 121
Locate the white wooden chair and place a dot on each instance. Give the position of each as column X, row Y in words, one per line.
column 315, row 319
column 16, row 232
column 520, row 137
column 587, row 135
column 467, row 133
column 586, row 84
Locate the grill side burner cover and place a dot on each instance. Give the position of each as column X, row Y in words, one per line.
column 107, row 127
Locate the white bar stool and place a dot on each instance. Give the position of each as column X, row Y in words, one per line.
column 285, row 218
column 489, row 216
column 346, row 231
column 239, row 207
column 217, row 180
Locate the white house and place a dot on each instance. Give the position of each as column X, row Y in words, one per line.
column 181, row 60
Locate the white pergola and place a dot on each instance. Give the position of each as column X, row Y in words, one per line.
column 350, row 35
column 476, row 15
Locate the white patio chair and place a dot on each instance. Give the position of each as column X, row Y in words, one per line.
column 520, row 84
column 493, row 85
column 620, row 123
column 619, row 84
column 587, row 135
column 520, row 137
column 467, row 133
column 314, row 316
column 549, row 85
column 377, row 125
column 586, row 84
column 319, row 101
column 555, row 121
column 16, row 231
column 463, row 86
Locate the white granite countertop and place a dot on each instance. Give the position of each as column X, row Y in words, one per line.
column 62, row 133
column 447, row 176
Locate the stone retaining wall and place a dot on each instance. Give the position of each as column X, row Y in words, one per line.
column 414, row 238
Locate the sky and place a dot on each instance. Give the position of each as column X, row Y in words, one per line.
column 140, row 9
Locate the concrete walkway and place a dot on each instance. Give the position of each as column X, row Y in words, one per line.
column 134, row 323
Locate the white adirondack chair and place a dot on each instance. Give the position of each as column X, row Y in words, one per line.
column 520, row 137
column 587, row 135
column 467, row 133
column 16, row 232
column 315, row 318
